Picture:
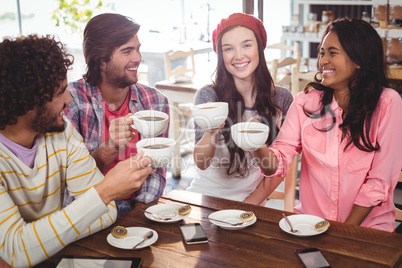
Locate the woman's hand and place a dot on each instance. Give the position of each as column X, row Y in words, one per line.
column 214, row 130
column 204, row 150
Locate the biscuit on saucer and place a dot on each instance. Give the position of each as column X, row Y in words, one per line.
column 247, row 216
column 184, row 210
column 322, row 225
column 119, row 232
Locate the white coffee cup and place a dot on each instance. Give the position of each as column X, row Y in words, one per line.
column 160, row 150
column 210, row 115
column 249, row 136
column 150, row 123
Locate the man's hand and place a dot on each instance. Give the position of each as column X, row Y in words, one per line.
column 125, row 178
column 121, row 132
column 3, row 264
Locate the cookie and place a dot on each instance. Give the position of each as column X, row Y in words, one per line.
column 247, row 216
column 184, row 210
column 322, row 225
column 119, row 232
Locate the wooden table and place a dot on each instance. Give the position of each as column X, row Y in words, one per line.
column 263, row 244
column 178, row 93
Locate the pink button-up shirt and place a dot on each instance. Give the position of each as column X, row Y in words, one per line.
column 332, row 178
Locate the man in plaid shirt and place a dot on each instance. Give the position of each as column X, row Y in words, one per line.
column 108, row 94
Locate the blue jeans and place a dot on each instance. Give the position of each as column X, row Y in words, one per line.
column 124, row 206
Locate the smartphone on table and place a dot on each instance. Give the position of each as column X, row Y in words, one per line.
column 312, row 257
column 193, row 233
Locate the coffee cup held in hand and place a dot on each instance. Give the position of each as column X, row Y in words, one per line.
column 249, row 136
column 150, row 123
column 210, row 115
column 160, row 150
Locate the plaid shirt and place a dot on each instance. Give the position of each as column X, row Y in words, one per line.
column 86, row 113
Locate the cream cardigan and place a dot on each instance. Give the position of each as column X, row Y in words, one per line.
column 33, row 223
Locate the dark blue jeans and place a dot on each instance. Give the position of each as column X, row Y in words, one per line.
column 124, row 206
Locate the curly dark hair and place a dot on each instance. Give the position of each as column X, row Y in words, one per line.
column 226, row 91
column 31, row 69
column 364, row 47
column 102, row 35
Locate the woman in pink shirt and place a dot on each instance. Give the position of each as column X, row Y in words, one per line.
column 348, row 127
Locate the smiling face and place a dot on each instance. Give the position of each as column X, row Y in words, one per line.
column 337, row 68
column 121, row 70
column 240, row 53
column 49, row 117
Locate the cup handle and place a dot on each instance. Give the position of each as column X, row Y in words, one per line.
column 145, row 154
column 132, row 125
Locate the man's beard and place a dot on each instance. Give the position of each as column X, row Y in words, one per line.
column 114, row 78
column 45, row 121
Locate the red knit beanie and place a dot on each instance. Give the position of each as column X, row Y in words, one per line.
column 242, row 19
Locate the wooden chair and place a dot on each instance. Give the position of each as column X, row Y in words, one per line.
column 180, row 71
column 293, row 60
column 290, row 181
column 179, row 64
column 398, row 212
column 180, row 68
column 289, row 193
column 143, row 74
column 299, row 79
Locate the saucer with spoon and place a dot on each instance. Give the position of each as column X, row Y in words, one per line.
column 132, row 237
column 167, row 213
column 303, row 225
column 232, row 219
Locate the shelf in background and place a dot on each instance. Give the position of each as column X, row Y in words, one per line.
column 342, row 8
column 310, row 37
column 395, row 72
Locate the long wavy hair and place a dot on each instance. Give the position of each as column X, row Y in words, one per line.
column 102, row 35
column 265, row 106
column 364, row 47
column 32, row 68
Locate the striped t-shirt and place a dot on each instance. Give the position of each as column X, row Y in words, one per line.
column 33, row 223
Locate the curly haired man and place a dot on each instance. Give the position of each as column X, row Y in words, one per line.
column 42, row 156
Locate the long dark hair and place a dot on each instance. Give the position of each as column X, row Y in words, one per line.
column 226, row 91
column 102, row 35
column 364, row 47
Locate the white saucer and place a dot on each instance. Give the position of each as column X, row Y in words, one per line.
column 303, row 223
column 165, row 211
column 134, row 236
column 230, row 216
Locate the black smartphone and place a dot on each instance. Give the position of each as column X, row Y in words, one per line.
column 70, row 261
column 312, row 257
column 193, row 233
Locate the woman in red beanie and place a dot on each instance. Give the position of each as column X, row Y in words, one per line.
column 244, row 82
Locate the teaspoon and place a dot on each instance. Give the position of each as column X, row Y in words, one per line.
column 233, row 224
column 155, row 215
column 147, row 236
column 290, row 225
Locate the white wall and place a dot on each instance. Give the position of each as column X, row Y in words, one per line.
column 275, row 16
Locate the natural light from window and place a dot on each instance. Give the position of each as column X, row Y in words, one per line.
column 164, row 23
